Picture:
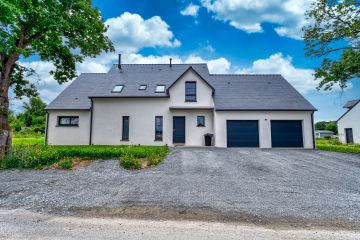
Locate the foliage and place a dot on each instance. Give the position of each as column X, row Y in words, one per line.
column 330, row 125
column 333, row 36
column 66, row 163
column 336, row 146
column 31, row 153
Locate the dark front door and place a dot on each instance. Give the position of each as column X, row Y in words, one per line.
column 242, row 133
column 349, row 135
column 286, row 133
column 179, row 130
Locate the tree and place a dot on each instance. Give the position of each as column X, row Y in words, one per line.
column 332, row 126
column 333, row 36
column 320, row 125
column 62, row 32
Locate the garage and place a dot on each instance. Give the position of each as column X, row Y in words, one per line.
column 242, row 133
column 286, row 133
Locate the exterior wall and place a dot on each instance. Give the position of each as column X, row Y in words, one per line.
column 64, row 135
column 203, row 92
column 350, row 120
column 264, row 118
column 107, row 122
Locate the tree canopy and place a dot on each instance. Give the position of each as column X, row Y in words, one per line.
column 334, row 37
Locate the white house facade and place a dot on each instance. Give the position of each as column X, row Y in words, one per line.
column 349, row 123
column 177, row 104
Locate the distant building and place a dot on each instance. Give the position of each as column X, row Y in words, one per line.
column 323, row 133
column 349, row 123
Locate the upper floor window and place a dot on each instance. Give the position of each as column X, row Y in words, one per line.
column 68, row 121
column 190, row 91
column 160, row 88
column 117, row 88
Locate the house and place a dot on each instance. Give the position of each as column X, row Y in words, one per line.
column 176, row 104
column 349, row 123
column 323, row 133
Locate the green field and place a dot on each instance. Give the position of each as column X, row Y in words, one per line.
column 335, row 146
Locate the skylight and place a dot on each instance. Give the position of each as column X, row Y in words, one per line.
column 142, row 87
column 117, row 88
column 160, row 88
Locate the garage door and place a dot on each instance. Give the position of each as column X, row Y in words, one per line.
column 286, row 133
column 242, row 133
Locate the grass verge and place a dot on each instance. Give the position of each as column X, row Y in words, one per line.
column 335, row 145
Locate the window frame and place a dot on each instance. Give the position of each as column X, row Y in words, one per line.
column 197, row 121
column 125, row 135
column 59, row 124
column 190, row 95
column 160, row 85
column 142, row 85
column 159, row 137
column 118, row 85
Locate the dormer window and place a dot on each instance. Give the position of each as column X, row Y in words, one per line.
column 160, row 88
column 142, row 87
column 117, row 88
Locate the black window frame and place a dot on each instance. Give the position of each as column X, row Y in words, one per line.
column 59, row 124
column 159, row 136
column 197, row 121
column 118, row 85
column 125, row 131
column 160, row 85
column 190, row 97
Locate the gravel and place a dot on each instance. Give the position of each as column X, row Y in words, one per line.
column 273, row 183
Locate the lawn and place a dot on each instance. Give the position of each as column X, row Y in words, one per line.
column 335, row 146
column 31, row 153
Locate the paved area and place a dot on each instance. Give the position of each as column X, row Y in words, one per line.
column 22, row 225
column 247, row 184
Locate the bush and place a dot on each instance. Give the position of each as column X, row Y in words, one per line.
column 66, row 163
column 129, row 161
column 327, row 137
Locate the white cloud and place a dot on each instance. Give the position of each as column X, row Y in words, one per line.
column 248, row 15
column 191, row 10
column 301, row 78
column 130, row 33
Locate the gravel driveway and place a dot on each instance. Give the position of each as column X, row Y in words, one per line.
column 274, row 183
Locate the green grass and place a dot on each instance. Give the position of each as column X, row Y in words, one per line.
column 31, row 153
column 336, row 146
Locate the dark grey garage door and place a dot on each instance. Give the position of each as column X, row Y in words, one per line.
column 242, row 133
column 286, row 133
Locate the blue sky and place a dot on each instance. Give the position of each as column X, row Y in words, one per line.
column 233, row 36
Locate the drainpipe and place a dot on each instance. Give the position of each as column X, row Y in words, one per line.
column 46, row 128
column 91, row 120
column 312, row 128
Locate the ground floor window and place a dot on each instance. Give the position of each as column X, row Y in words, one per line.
column 201, row 121
column 68, row 121
column 158, row 128
column 125, row 128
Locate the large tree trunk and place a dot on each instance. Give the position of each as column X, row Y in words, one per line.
column 5, row 129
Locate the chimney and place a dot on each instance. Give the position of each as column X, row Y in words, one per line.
column 170, row 62
column 119, row 62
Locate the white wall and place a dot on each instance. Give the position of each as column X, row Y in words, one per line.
column 108, row 113
column 64, row 135
column 264, row 118
column 350, row 120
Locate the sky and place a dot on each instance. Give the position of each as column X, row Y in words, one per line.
column 232, row 36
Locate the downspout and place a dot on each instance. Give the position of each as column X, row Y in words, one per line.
column 46, row 128
column 312, row 128
column 91, row 120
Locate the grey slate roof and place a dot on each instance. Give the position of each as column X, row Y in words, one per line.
column 351, row 103
column 232, row 92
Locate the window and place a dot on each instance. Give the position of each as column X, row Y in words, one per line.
column 158, row 128
column 190, row 91
column 68, row 121
column 201, row 121
column 160, row 88
column 117, row 88
column 142, row 87
column 125, row 128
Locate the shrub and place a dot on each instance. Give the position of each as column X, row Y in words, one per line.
column 66, row 163
column 327, row 137
column 129, row 161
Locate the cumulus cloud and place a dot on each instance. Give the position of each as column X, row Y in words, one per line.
column 301, row 78
column 248, row 15
column 130, row 33
column 190, row 10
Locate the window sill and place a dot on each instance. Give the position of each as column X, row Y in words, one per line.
column 67, row 125
column 124, row 140
column 201, row 126
column 158, row 140
column 190, row 101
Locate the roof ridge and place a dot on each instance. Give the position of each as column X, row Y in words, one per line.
column 93, row 73
column 243, row 74
column 161, row 64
